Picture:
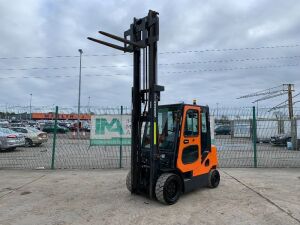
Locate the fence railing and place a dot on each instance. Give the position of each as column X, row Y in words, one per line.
column 245, row 137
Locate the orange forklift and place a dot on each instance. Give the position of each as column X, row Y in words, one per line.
column 171, row 151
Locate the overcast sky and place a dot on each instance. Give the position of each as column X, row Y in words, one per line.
column 46, row 28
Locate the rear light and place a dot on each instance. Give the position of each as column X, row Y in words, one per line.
column 11, row 136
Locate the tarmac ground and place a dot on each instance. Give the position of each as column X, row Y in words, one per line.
column 60, row 197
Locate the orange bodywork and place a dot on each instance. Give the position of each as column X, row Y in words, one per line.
column 197, row 168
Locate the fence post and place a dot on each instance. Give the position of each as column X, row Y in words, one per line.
column 254, row 137
column 54, row 138
column 120, row 163
column 294, row 133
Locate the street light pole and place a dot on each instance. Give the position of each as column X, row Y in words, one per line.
column 79, row 91
column 89, row 110
column 217, row 110
column 30, row 107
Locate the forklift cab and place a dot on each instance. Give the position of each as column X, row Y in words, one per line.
column 184, row 144
column 183, row 130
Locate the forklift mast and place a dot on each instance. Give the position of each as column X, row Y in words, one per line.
column 143, row 34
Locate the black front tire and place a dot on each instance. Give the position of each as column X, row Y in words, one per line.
column 168, row 188
column 213, row 178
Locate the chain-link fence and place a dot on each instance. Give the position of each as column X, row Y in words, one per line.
column 245, row 137
column 69, row 149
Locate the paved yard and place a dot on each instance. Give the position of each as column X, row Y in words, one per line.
column 245, row 196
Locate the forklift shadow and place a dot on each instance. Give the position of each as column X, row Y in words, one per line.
column 142, row 200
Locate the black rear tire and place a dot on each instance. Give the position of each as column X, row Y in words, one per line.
column 213, row 178
column 168, row 188
column 128, row 181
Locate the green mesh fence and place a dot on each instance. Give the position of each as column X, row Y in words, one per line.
column 273, row 131
column 275, row 139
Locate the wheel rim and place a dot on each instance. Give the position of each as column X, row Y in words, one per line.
column 172, row 189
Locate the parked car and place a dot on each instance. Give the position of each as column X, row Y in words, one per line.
column 64, row 124
column 83, row 126
column 17, row 124
column 9, row 139
column 73, row 126
column 280, row 139
column 4, row 124
column 223, row 130
column 40, row 125
column 32, row 123
column 86, row 127
column 49, row 128
column 32, row 136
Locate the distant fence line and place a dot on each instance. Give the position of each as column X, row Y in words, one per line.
column 23, row 112
column 218, row 113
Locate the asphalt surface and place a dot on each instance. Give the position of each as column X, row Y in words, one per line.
column 244, row 196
